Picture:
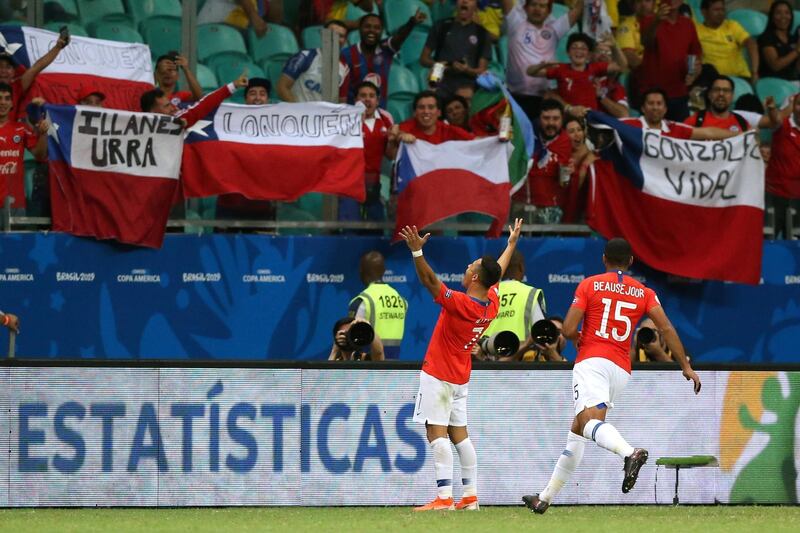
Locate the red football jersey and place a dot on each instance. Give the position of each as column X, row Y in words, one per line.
column 461, row 323
column 15, row 137
column 576, row 87
column 613, row 304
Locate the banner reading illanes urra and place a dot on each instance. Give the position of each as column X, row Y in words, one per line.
column 691, row 208
column 116, row 172
column 276, row 152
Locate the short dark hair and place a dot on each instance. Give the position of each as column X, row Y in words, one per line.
column 548, row 104
column 258, row 82
column 148, row 99
column 369, row 15
column 490, row 271
column 516, row 265
column 456, row 98
column 335, row 22
column 341, row 322
column 722, row 77
column 618, row 252
column 368, row 84
column 580, row 38
column 749, row 102
column 705, row 4
column 426, row 94
column 6, row 88
column 169, row 56
column 655, row 90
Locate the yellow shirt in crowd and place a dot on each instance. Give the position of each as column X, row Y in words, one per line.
column 629, row 35
column 722, row 47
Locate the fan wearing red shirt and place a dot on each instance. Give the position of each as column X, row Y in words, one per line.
column 15, row 137
column 782, row 175
column 576, row 79
column 654, row 108
column 543, row 188
column 669, row 39
column 609, row 305
column 426, row 125
column 167, row 79
column 442, row 399
column 380, row 138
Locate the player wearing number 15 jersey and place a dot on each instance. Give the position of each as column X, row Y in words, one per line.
column 442, row 398
column 610, row 305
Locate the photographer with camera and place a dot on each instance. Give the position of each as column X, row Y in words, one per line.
column 350, row 338
column 521, row 305
column 650, row 345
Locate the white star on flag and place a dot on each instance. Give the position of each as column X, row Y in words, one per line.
column 9, row 48
column 198, row 128
column 52, row 131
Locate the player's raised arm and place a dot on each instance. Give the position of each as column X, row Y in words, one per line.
column 505, row 257
column 674, row 343
column 424, row 271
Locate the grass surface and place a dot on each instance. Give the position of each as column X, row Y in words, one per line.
column 593, row 519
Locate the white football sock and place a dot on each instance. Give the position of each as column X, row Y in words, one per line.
column 567, row 463
column 469, row 467
column 606, row 436
column 443, row 466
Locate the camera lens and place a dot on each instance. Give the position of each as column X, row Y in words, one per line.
column 544, row 332
column 360, row 334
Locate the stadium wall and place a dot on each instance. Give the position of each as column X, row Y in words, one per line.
column 233, row 436
column 256, row 298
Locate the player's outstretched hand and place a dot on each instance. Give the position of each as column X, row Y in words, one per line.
column 515, row 230
column 412, row 238
column 691, row 374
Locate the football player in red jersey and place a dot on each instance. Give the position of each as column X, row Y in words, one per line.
column 442, row 398
column 610, row 305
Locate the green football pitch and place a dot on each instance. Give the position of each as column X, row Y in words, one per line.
column 594, row 519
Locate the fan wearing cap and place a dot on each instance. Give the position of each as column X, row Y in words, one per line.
column 167, row 79
column 91, row 96
column 21, row 79
column 234, row 205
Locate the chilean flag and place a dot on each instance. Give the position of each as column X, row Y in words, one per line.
column 276, row 152
column 122, row 71
column 689, row 208
column 436, row 181
column 113, row 174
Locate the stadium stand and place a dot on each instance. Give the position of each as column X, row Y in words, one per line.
column 162, row 34
column 397, row 12
column 214, row 39
column 752, row 21
column 279, row 44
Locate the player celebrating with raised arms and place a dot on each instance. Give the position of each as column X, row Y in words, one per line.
column 609, row 305
column 442, row 398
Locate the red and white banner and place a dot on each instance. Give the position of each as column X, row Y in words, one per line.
column 690, row 208
column 122, row 71
column 276, row 152
column 113, row 174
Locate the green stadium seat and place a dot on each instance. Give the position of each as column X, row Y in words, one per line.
column 74, row 28
column 695, row 5
column 162, row 34
column 311, row 37
column 289, row 212
column 312, row 203
column 215, row 39
column 741, row 86
column 502, row 50
column 69, row 8
column 230, row 68
column 355, row 13
column 273, row 69
column 413, row 45
column 397, row 12
column 353, row 37
column 402, row 81
column 142, row 10
column 559, row 10
column 94, row 10
column 775, row 87
column 442, row 10
column 422, row 74
column 113, row 31
column 400, row 108
column 278, row 43
column 796, row 20
column 208, row 208
column 206, row 78
column 753, row 21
